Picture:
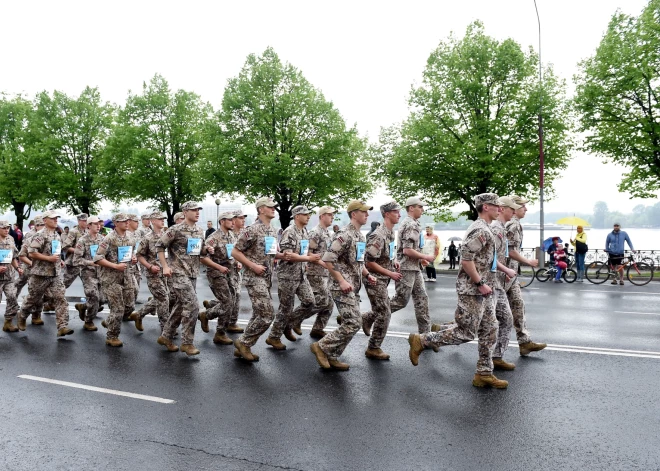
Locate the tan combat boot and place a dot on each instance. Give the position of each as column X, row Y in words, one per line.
column 64, row 331
column 289, row 335
column 48, row 308
column 222, row 339
column 243, row 350
column 416, row 348
column 275, row 343
column 481, row 381
column 114, row 342
column 81, row 308
column 500, row 364
column 90, row 327
column 338, row 365
column 104, row 323
column 37, row 320
column 204, row 321
column 22, row 324
column 527, row 348
column 207, row 305
column 376, row 354
column 9, row 326
column 135, row 317
column 237, row 354
column 321, row 357
column 167, row 343
column 317, row 334
column 298, row 328
column 235, row 329
column 189, row 349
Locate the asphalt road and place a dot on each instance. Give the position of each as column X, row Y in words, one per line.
column 589, row 401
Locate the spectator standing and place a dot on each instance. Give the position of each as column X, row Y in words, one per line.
column 209, row 229
column 615, row 248
column 581, row 248
column 431, row 247
column 453, row 254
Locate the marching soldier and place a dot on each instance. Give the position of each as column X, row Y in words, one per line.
column 25, row 265
column 83, row 258
column 8, row 263
column 237, row 275
column 71, row 271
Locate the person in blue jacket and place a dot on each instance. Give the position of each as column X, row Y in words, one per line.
column 615, row 248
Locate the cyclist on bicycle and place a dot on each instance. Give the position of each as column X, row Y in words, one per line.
column 615, row 248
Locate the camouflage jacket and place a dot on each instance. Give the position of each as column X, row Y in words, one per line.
column 82, row 256
column 44, row 242
column 497, row 279
column 8, row 244
column 70, row 241
column 292, row 241
column 319, row 241
column 222, row 243
column 343, row 254
column 252, row 243
column 380, row 250
column 147, row 249
column 185, row 246
column 109, row 249
column 409, row 237
column 478, row 247
column 514, row 235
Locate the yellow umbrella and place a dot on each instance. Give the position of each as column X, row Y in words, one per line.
column 573, row 221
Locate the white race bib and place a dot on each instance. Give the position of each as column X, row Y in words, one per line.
column 271, row 245
column 124, row 254
column 56, row 247
column 194, row 246
column 304, row 247
column 360, row 246
column 6, row 255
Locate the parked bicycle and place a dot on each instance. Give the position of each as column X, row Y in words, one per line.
column 638, row 273
column 544, row 274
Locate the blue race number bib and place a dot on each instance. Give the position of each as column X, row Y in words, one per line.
column 271, row 245
column 304, row 247
column 93, row 249
column 421, row 241
column 360, row 246
column 392, row 250
column 194, row 246
column 229, row 248
column 124, row 254
column 6, row 256
column 55, row 247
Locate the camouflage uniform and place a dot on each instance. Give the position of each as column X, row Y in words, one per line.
column 71, row 271
column 412, row 283
column 185, row 270
column 475, row 314
column 237, row 279
column 252, row 244
column 224, row 286
column 140, row 234
column 159, row 285
column 118, row 286
column 514, row 234
column 7, row 285
column 343, row 255
column 45, row 276
column 380, row 245
column 317, row 277
column 23, row 279
column 291, row 281
column 497, row 280
column 89, row 272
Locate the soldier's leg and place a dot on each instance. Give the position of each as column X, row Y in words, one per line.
column 186, row 294
column 421, row 303
column 236, row 281
column 517, row 305
column 487, row 336
column 505, row 323
column 403, row 291
column 91, row 288
column 334, row 344
column 114, row 292
column 70, row 274
column 224, row 293
column 467, row 319
column 380, row 306
column 36, row 289
column 159, row 303
column 286, row 292
column 262, row 314
column 307, row 301
column 58, row 291
column 21, row 282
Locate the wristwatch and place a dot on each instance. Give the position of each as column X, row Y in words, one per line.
column 481, row 282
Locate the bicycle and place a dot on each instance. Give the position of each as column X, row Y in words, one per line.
column 544, row 274
column 638, row 273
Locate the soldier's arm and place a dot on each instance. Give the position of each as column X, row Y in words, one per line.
column 78, row 254
column 163, row 243
column 408, row 243
column 67, row 243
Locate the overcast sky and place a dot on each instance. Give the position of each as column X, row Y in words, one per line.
column 364, row 56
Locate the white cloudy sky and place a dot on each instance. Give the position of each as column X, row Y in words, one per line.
column 364, row 55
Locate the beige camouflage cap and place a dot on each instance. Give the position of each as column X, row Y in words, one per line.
column 357, row 205
column 93, row 220
column 487, row 198
column 414, row 201
column 146, row 216
column 82, row 217
column 507, row 202
column 265, row 201
column 190, row 205
column 178, row 216
column 519, row 199
column 52, row 214
column 4, row 224
column 391, row 206
column 157, row 215
column 120, row 217
column 326, row 210
column 300, row 209
column 38, row 221
column 133, row 217
column 226, row 215
column 239, row 214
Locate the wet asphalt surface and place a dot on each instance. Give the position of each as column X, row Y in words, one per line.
column 589, row 403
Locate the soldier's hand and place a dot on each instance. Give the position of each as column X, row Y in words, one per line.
column 345, row 286
column 134, row 260
column 533, row 263
column 286, row 256
column 3, row 269
column 397, row 265
column 396, row 275
column 154, row 269
column 485, row 290
column 429, row 258
column 20, row 271
column 258, row 269
column 210, row 249
column 371, row 279
column 54, row 258
column 120, row 266
column 315, row 257
column 239, row 266
column 510, row 273
column 425, row 263
column 167, row 271
column 223, row 270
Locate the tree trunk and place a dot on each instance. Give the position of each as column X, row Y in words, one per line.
column 285, row 215
column 20, row 212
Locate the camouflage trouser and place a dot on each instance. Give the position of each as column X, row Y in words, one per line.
column 348, row 305
column 237, row 280
column 22, row 280
column 412, row 283
column 225, row 293
column 262, row 313
column 186, row 309
column 159, row 304
column 380, row 313
column 38, row 287
column 286, row 292
column 475, row 315
column 70, row 273
column 518, row 310
column 9, row 288
column 505, row 322
column 121, row 299
column 136, row 280
column 322, row 304
column 92, row 287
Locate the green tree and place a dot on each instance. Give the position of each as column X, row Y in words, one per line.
column 601, row 212
column 617, row 97
column 155, row 150
column 473, row 126
column 71, row 133
column 21, row 187
column 279, row 136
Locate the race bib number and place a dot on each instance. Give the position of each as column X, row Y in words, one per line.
column 6, row 256
column 304, row 247
column 421, row 241
column 392, row 250
column 360, row 246
column 229, row 248
column 271, row 245
column 194, row 246
column 93, row 249
column 124, row 254
column 55, row 247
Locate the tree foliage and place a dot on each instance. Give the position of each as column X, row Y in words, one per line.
column 617, row 95
column 71, row 133
column 155, row 150
column 279, row 136
column 473, row 126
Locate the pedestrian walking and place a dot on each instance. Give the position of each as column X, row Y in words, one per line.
column 615, row 248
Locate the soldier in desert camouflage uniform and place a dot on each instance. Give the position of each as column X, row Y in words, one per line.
column 26, row 264
column 140, row 233
column 45, row 250
column 475, row 313
column 133, row 228
column 83, row 258
column 8, row 263
column 345, row 261
column 237, row 275
column 514, row 234
column 71, row 271
column 380, row 261
column 291, row 278
column 317, row 276
column 185, row 245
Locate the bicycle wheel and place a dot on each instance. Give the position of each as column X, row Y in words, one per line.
column 569, row 275
column 525, row 276
column 597, row 272
column 543, row 275
column 640, row 273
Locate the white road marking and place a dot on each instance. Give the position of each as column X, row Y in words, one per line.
column 620, row 292
column 101, row 390
column 642, row 313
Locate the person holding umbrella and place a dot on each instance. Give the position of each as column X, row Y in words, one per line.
column 452, row 251
column 581, row 248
